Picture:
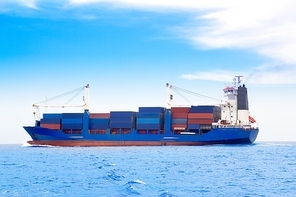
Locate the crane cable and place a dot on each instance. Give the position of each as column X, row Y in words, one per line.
column 177, row 90
column 80, row 89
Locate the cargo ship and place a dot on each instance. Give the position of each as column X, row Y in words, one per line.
column 226, row 123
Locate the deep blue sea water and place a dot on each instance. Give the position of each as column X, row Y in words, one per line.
column 262, row 169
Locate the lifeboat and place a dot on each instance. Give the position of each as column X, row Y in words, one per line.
column 251, row 119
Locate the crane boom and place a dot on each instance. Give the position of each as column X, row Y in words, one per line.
column 85, row 103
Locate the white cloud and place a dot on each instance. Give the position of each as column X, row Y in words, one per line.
column 217, row 75
column 28, row 3
column 148, row 4
column 9, row 5
column 266, row 27
column 267, row 74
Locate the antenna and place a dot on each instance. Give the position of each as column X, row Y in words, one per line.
column 237, row 83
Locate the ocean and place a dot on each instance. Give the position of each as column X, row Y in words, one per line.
column 261, row 169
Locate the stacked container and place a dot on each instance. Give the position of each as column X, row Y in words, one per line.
column 51, row 121
column 203, row 116
column 98, row 122
column 122, row 120
column 72, row 121
column 179, row 118
column 151, row 119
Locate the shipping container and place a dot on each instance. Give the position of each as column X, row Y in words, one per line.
column 52, row 116
column 152, row 109
column 200, row 121
column 72, row 121
column 72, row 126
column 179, row 121
column 51, row 126
column 122, row 125
column 72, row 115
column 200, row 115
column 116, row 114
column 179, row 115
column 98, row 126
column 180, row 109
column 50, row 121
column 99, row 121
column 149, row 120
column 179, row 126
column 150, row 115
column 204, row 109
column 149, row 126
column 122, row 118
column 193, row 126
column 99, row 115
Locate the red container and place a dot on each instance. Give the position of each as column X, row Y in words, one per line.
column 51, row 126
column 177, row 115
column 199, row 121
column 179, row 126
column 99, row 115
column 180, row 109
column 200, row 115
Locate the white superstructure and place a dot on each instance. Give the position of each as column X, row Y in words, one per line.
column 235, row 111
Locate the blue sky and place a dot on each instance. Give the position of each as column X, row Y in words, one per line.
column 127, row 51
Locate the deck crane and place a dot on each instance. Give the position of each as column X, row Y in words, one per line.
column 178, row 90
column 77, row 91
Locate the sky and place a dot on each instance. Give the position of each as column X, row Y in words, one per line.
column 128, row 50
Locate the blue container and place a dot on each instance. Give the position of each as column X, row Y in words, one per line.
column 202, row 109
column 122, row 125
column 193, row 126
column 149, row 126
column 52, row 116
column 179, row 121
column 149, row 115
column 72, row 121
column 72, row 115
column 72, row 126
column 99, row 121
column 148, row 120
column 152, row 109
column 98, row 126
column 114, row 114
column 122, row 119
column 50, row 121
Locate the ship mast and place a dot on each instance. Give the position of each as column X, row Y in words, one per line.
column 169, row 96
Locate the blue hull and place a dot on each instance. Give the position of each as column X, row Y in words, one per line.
column 43, row 136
